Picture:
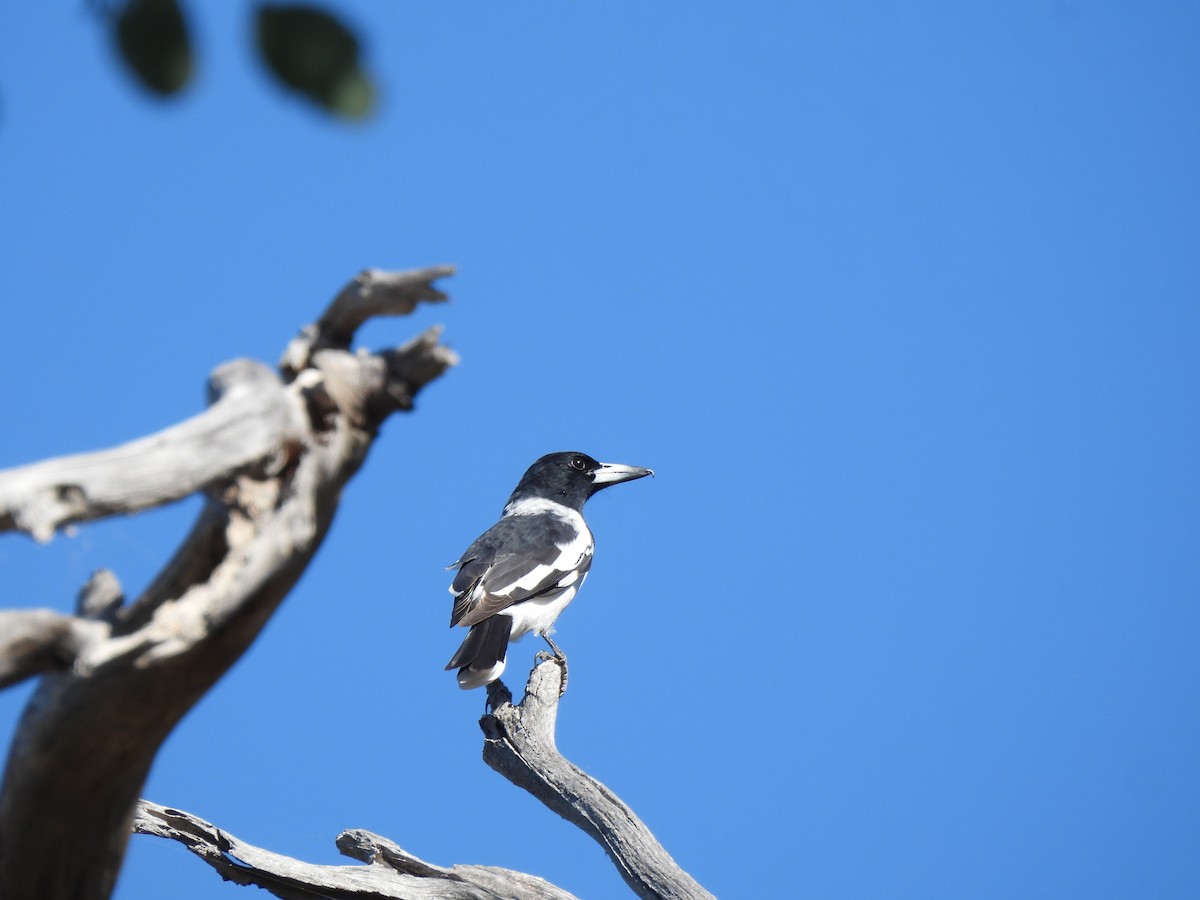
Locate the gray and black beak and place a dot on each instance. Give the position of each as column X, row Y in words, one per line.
column 608, row 474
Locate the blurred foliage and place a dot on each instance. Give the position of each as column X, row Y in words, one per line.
column 305, row 47
column 152, row 37
column 314, row 54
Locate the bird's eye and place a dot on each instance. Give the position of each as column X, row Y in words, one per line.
column 578, row 464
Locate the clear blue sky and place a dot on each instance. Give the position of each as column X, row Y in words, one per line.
column 901, row 301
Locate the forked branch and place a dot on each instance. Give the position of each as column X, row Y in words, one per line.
column 520, row 745
column 389, row 871
column 271, row 454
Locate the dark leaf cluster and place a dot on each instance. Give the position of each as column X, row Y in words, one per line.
column 305, row 47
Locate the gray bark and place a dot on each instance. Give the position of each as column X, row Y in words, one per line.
column 271, row 454
column 519, row 743
column 389, row 871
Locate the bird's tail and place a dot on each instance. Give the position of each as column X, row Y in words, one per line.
column 480, row 660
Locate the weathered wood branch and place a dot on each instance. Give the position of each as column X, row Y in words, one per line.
column 272, row 455
column 519, row 744
column 250, row 421
column 34, row 641
column 372, row 294
column 390, row 872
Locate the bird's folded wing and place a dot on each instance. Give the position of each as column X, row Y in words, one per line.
column 482, row 590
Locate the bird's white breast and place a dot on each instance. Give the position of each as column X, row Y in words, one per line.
column 538, row 615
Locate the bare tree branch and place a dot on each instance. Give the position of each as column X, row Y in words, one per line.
column 272, row 456
column 251, row 420
column 519, row 744
column 389, row 871
column 373, row 293
column 34, row 641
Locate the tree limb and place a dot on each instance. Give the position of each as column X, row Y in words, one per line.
column 390, row 872
column 372, row 293
column 519, row 744
column 34, row 641
column 272, row 455
column 250, row 421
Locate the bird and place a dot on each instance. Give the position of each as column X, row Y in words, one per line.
column 519, row 575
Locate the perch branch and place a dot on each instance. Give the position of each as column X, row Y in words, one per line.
column 519, row 744
column 390, row 872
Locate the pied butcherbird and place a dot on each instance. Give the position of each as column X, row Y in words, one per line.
column 519, row 575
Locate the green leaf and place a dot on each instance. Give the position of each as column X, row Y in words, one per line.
column 313, row 53
column 152, row 38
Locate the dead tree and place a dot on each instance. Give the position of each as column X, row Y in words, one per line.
column 271, row 455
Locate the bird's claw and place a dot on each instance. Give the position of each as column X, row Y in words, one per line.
column 560, row 658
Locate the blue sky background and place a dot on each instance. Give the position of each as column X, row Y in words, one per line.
column 899, row 300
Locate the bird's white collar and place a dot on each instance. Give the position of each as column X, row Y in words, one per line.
column 537, row 506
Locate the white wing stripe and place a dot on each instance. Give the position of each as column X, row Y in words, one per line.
column 528, row 581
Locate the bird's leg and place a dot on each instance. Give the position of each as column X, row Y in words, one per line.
column 553, row 646
column 562, row 661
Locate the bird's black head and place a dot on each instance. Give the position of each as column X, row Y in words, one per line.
column 570, row 478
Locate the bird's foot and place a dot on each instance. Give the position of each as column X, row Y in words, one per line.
column 561, row 658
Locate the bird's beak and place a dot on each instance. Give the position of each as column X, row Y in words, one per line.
column 615, row 473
